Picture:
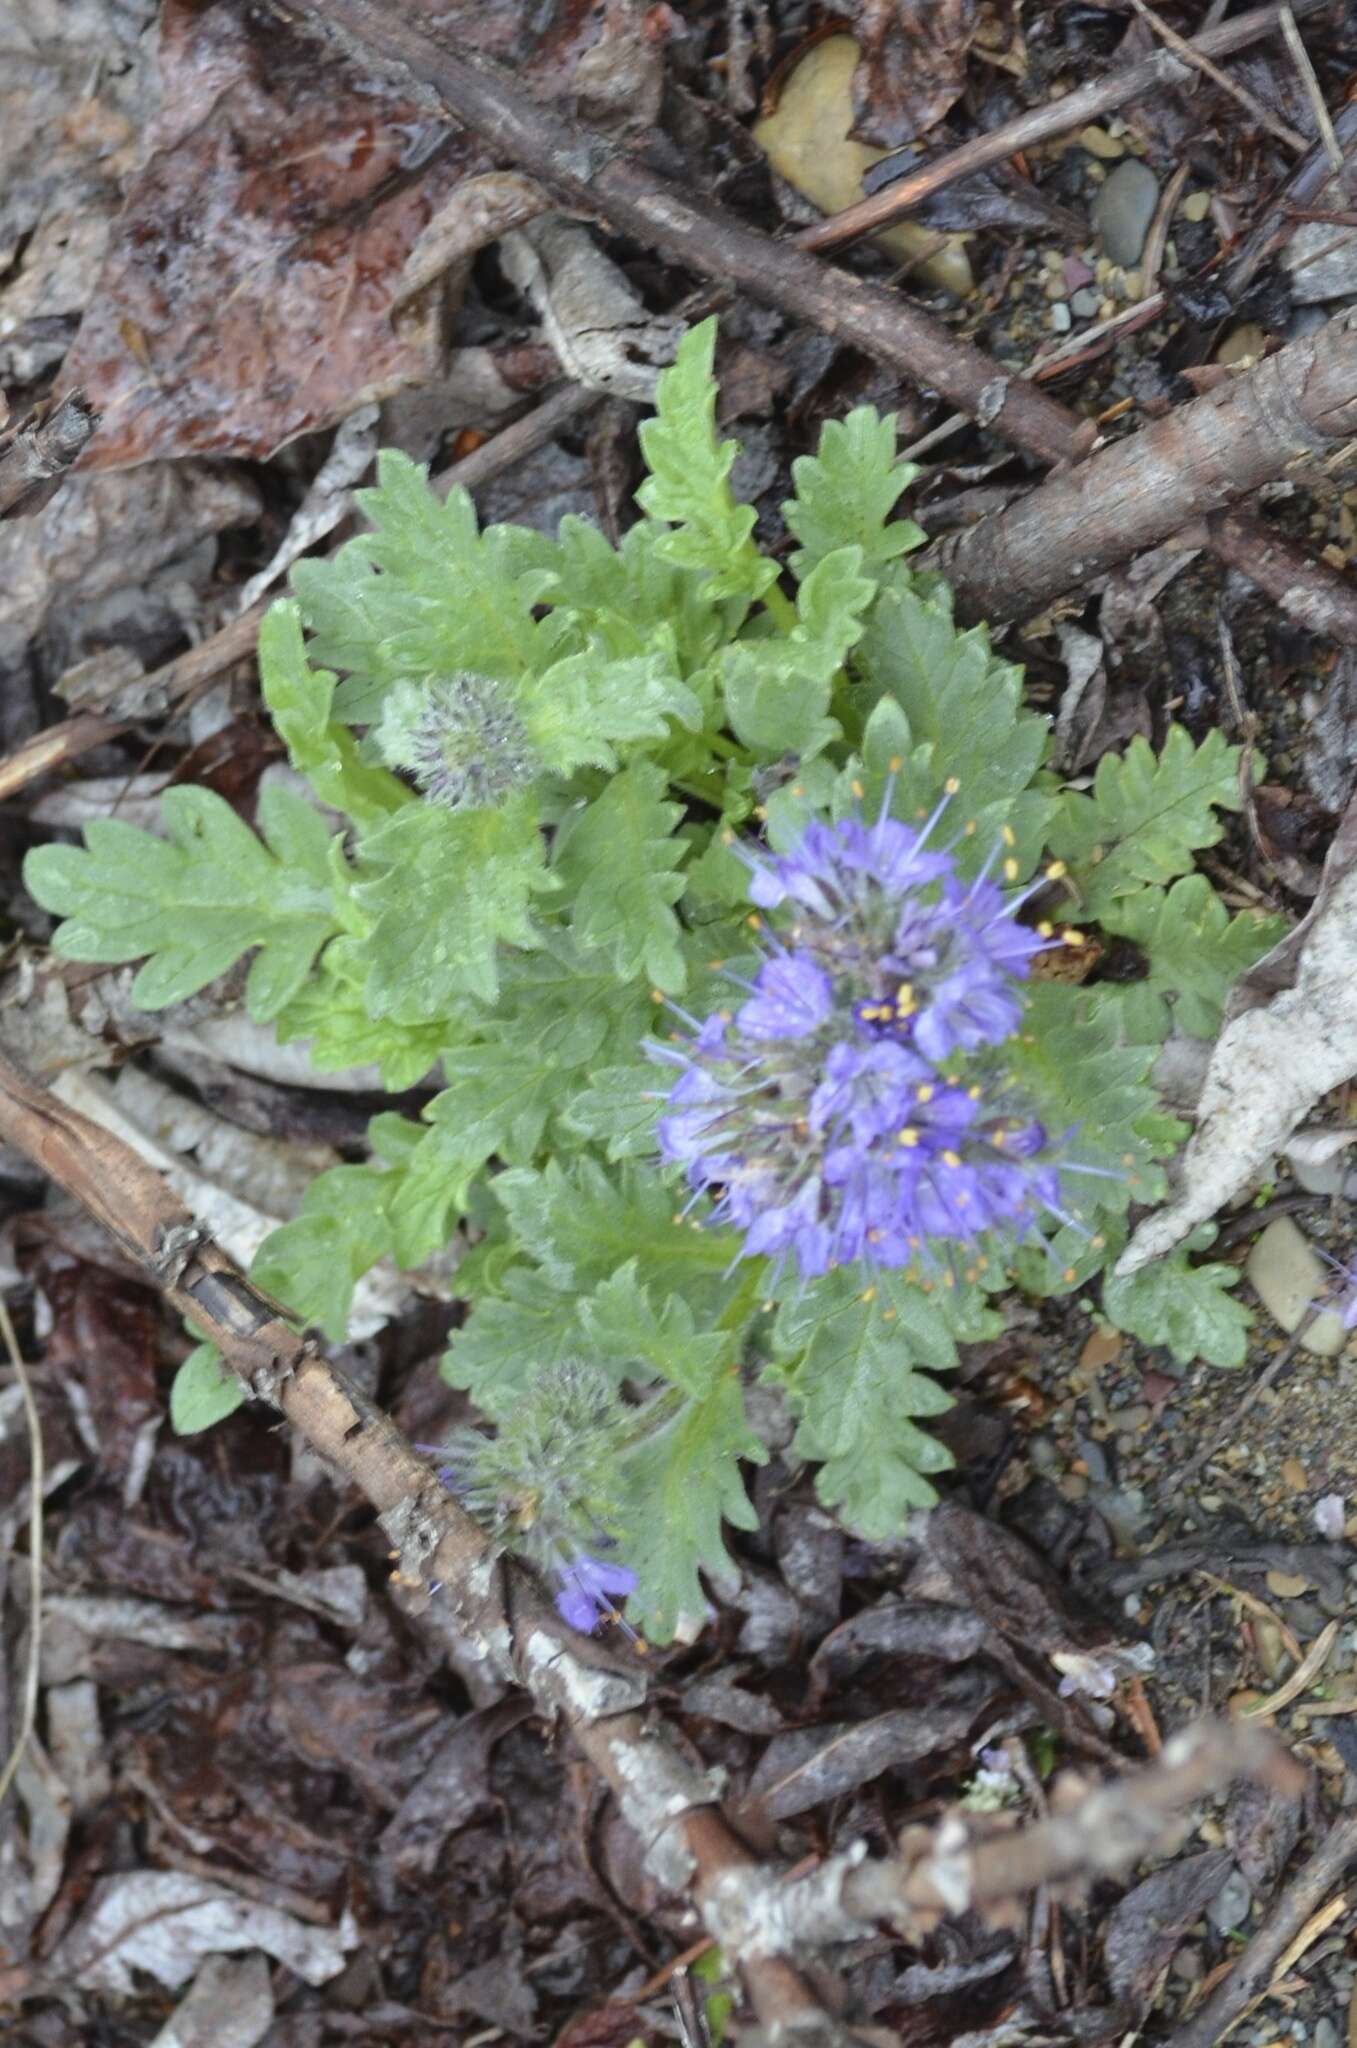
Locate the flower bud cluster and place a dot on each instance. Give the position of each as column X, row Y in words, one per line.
column 855, row 1107
column 461, row 738
column 545, row 1485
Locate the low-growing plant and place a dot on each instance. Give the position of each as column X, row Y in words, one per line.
column 733, row 906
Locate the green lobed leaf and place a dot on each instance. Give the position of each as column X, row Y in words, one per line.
column 1071, row 1064
column 299, row 699
column 1195, row 952
column 1146, row 817
column 194, row 902
column 619, row 864
column 850, row 1358
column 585, row 706
column 203, row 1392
column 622, row 1323
column 682, row 1483
column 582, row 1222
column 777, row 689
column 689, row 482
column 451, row 887
column 959, row 702
column 1188, row 1308
column 846, row 492
column 330, row 1012
column 510, row 1339
column 423, row 594
column 618, row 1110
column 313, row 1262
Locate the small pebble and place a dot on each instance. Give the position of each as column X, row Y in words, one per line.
column 1099, row 143
column 1085, row 302
column 1124, row 208
column 1242, row 344
column 1288, row 1277
column 1095, row 1458
column 1322, row 259
column 1325, row 2034
column 1060, row 317
column 1196, row 206
column 1230, row 1906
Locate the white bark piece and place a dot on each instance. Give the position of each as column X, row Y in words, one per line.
column 1270, row 1066
column 165, row 1922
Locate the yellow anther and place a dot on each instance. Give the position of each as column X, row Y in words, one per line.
column 895, row 764
column 1011, row 869
column 727, row 837
column 857, row 788
column 925, row 1092
column 951, row 786
column 968, row 829
column 1056, row 869
column 951, row 1159
column 798, row 789
column 1069, row 1276
column 875, row 1236
column 887, row 1315
column 754, row 921
column 656, row 995
column 909, row 1136
column 868, row 1294
column 1045, row 930
column 760, row 812
column 1009, row 836
column 975, row 1091
column 999, row 1136
column 1072, row 937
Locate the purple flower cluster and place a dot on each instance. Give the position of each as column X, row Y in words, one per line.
column 854, row 1108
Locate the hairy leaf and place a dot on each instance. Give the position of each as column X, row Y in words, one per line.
column 851, row 1363
column 682, row 1482
column 423, row 594
column 194, row 902
column 582, row 1223
column 313, row 1263
column 451, row 887
column 846, row 492
column 1147, row 815
column 619, row 864
column 1189, row 1308
column 300, row 699
column 689, row 482
column 1195, row 952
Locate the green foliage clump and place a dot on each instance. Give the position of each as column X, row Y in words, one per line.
column 543, row 749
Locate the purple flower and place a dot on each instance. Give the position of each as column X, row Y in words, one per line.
column 589, row 1587
column 791, row 998
column 830, row 1119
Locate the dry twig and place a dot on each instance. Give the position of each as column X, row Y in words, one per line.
column 28, row 1711
column 1256, row 1969
column 1201, row 61
column 1041, row 124
column 38, row 454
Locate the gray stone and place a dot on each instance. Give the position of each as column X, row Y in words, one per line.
column 1085, row 302
column 1124, row 208
column 1325, row 2034
column 1060, row 317
column 1095, row 1458
column 1229, row 1908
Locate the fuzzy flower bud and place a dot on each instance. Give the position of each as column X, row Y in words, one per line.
column 855, row 1106
column 545, row 1486
column 460, row 737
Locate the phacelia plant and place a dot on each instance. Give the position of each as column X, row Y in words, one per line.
column 729, row 911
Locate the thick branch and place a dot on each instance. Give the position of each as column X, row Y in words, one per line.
column 1296, row 404
column 591, row 175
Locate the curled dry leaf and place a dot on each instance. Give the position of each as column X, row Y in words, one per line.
column 478, row 213
column 913, row 65
column 593, row 319
column 1272, row 1062
column 165, row 1922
